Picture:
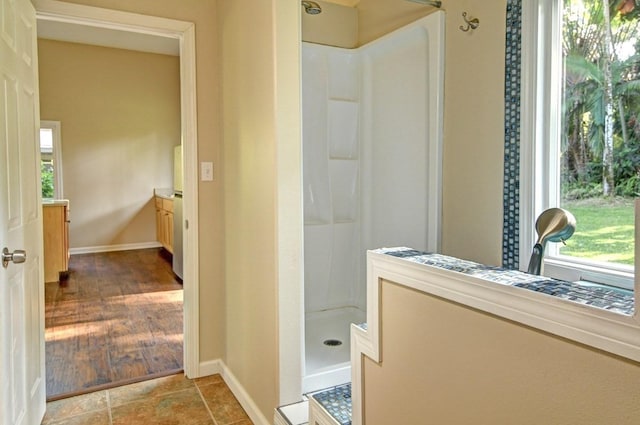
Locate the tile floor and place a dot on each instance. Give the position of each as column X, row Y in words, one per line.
column 163, row 401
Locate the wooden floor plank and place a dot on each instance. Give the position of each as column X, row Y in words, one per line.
column 117, row 318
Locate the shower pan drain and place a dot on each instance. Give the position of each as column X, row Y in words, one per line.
column 332, row 342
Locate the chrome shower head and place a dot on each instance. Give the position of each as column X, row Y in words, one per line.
column 311, row 7
column 553, row 225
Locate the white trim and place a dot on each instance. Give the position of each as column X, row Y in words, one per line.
column 574, row 270
column 611, row 332
column 211, row 367
column 191, row 232
column 185, row 32
column 537, row 122
column 53, row 10
column 113, row 248
column 528, row 128
column 437, row 41
column 360, row 344
column 289, row 225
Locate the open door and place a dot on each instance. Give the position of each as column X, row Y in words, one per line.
column 22, row 373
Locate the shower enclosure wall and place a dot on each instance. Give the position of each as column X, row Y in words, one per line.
column 372, row 124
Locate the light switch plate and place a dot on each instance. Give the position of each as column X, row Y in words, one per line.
column 206, row 171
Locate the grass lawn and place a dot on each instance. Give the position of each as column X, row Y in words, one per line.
column 604, row 230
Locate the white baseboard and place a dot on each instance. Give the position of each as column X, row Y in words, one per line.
column 212, row 367
column 110, row 248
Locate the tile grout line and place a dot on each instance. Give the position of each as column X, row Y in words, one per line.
column 206, row 406
column 55, row 421
column 109, row 407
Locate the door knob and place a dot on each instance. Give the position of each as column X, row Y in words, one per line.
column 18, row 256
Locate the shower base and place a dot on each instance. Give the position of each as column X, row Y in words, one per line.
column 327, row 347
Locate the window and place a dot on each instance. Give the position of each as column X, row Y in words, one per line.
column 50, row 160
column 581, row 133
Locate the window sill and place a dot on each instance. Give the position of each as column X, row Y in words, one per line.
column 573, row 272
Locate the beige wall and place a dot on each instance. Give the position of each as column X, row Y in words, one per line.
column 443, row 363
column 250, row 196
column 342, row 20
column 379, row 17
column 120, row 117
column 474, row 132
column 204, row 14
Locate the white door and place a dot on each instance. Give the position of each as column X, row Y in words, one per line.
column 22, row 374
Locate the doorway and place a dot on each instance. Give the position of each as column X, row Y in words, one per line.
column 183, row 32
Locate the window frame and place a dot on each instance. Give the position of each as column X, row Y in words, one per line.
column 541, row 90
column 56, row 134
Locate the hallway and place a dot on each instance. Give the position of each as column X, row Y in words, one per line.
column 117, row 319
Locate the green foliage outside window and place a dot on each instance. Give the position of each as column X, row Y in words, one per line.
column 601, row 126
column 46, row 173
column 601, row 105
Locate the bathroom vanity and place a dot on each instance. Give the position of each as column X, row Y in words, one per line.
column 164, row 219
column 55, row 224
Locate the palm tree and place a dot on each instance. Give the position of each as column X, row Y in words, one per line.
column 608, row 52
column 597, row 81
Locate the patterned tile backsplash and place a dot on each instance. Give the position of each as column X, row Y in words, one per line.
column 336, row 401
column 608, row 298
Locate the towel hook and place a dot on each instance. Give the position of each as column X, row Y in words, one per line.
column 471, row 23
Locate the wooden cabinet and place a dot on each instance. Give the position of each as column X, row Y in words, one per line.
column 55, row 225
column 164, row 222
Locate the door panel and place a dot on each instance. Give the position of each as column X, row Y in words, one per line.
column 12, row 163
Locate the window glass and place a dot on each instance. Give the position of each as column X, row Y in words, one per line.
column 50, row 160
column 46, row 163
column 599, row 146
column 580, row 129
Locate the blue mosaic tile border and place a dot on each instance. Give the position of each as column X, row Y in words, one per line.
column 604, row 297
column 511, row 185
column 336, row 401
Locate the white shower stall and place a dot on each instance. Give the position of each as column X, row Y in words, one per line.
column 372, row 150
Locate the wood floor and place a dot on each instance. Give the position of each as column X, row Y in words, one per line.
column 117, row 319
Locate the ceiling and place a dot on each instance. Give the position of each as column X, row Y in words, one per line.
column 86, row 34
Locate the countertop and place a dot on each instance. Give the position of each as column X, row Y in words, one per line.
column 55, row 202
column 163, row 193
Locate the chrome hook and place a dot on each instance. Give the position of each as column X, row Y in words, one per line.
column 471, row 23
